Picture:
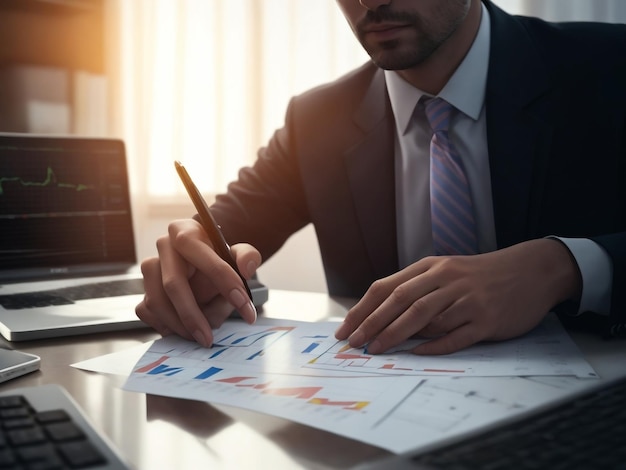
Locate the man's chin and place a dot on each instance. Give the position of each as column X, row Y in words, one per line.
column 387, row 63
column 390, row 56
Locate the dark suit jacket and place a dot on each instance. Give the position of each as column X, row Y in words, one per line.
column 556, row 128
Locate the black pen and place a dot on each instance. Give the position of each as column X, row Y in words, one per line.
column 209, row 224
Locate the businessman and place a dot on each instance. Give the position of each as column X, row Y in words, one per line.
column 531, row 119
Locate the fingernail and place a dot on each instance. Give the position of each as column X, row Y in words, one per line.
column 199, row 337
column 243, row 304
column 237, row 298
column 252, row 267
column 250, row 311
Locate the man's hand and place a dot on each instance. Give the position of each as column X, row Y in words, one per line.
column 190, row 289
column 461, row 300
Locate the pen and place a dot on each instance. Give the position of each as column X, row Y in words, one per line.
column 209, row 224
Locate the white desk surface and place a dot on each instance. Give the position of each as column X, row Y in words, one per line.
column 154, row 432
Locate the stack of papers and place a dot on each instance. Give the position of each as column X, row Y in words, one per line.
column 397, row 401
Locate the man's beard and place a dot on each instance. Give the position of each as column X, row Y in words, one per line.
column 388, row 56
column 396, row 54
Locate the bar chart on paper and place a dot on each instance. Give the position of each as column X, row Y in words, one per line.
column 260, row 369
column 342, row 356
column 397, row 401
column 547, row 350
column 274, row 347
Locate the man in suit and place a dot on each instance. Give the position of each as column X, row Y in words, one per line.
column 539, row 122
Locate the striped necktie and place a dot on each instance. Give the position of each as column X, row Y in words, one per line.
column 452, row 217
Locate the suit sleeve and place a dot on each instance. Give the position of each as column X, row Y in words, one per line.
column 266, row 204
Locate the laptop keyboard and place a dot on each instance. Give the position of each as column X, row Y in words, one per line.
column 69, row 295
column 585, row 433
column 41, row 428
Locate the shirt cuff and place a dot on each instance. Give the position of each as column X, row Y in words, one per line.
column 596, row 270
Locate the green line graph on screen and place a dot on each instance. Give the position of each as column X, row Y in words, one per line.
column 50, row 181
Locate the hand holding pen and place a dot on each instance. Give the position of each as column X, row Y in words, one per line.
column 220, row 246
column 209, row 224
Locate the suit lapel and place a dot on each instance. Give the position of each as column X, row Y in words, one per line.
column 519, row 129
column 370, row 168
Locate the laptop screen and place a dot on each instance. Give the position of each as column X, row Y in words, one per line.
column 64, row 206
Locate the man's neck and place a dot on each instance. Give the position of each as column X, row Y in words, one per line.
column 432, row 75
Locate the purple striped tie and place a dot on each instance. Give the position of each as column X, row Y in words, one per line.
column 453, row 226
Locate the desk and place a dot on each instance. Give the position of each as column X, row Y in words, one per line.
column 154, row 432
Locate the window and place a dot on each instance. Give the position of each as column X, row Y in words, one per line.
column 207, row 82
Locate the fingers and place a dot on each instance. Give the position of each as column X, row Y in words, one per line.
column 435, row 297
column 461, row 300
column 157, row 301
column 450, row 324
column 217, row 311
column 189, row 289
column 175, row 274
column 169, row 305
column 191, row 243
column 404, row 310
column 460, row 338
column 449, row 319
column 378, row 293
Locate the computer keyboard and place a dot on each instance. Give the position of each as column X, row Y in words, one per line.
column 587, row 432
column 69, row 295
column 42, row 427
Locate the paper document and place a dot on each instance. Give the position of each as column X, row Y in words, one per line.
column 305, row 348
column 547, row 350
column 299, row 371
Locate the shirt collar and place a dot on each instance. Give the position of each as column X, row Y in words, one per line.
column 465, row 90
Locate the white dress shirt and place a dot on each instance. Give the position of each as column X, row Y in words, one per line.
column 468, row 132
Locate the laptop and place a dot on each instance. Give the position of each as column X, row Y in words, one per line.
column 67, row 249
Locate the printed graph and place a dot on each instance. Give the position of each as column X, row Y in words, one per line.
column 277, row 347
column 189, row 372
column 248, row 363
column 547, row 350
column 343, row 357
